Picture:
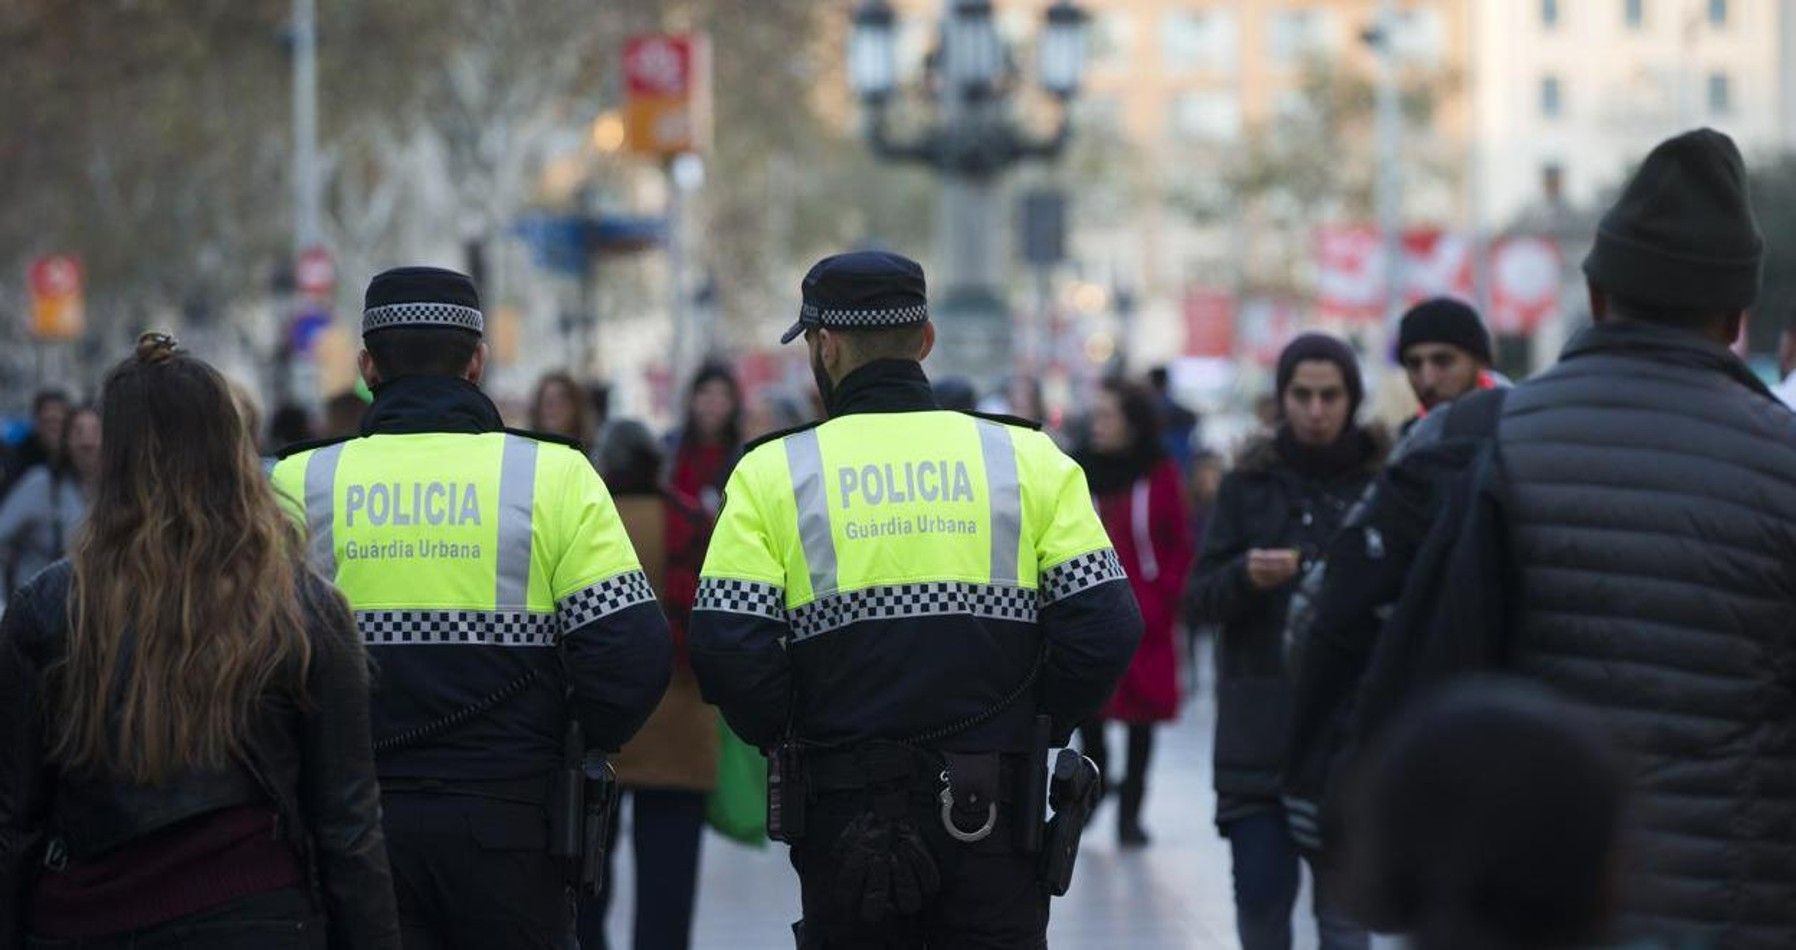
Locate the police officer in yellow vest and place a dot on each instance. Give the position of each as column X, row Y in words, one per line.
column 500, row 600
column 906, row 605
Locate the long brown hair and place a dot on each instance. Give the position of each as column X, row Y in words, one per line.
column 185, row 607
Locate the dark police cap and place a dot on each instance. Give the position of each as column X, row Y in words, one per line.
column 862, row 290
column 421, row 297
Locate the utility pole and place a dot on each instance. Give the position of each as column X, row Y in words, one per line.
column 1390, row 159
column 306, row 198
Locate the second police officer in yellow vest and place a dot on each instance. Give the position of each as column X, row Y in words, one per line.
column 907, row 605
column 499, row 599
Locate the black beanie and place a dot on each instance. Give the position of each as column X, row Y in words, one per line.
column 1682, row 235
column 1321, row 346
column 1445, row 320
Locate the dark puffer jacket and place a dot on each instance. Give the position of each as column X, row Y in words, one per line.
column 1263, row 503
column 1652, row 508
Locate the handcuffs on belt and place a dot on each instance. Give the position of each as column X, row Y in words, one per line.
column 978, row 778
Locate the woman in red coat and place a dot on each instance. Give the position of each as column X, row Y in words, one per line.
column 1137, row 491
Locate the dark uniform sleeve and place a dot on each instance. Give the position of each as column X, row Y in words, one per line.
column 739, row 623
column 1089, row 617
column 615, row 644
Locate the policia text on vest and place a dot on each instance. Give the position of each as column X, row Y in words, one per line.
column 501, row 604
column 893, row 598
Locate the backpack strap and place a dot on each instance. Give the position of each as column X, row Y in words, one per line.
column 1475, row 416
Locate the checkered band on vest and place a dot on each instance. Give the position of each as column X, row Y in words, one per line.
column 1081, row 573
column 603, row 599
column 837, row 319
column 470, row 627
column 422, row 315
column 931, row 599
column 731, row 596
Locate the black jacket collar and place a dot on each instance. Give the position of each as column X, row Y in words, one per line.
column 414, row 404
column 1663, row 344
column 883, row 386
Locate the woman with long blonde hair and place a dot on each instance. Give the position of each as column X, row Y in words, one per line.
column 184, row 742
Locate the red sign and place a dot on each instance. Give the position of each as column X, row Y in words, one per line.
column 315, row 273
column 658, row 65
column 1527, row 275
column 1352, row 281
column 56, row 298
column 1209, row 323
column 666, row 91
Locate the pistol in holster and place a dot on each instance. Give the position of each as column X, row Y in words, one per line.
column 1073, row 792
column 582, row 806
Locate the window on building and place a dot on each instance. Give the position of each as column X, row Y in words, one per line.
column 1210, row 116
column 1552, row 183
column 1113, row 40
column 1721, row 94
column 1424, row 35
column 1549, row 13
column 1301, row 34
column 1199, row 41
column 1552, row 98
column 1633, row 13
column 1717, row 12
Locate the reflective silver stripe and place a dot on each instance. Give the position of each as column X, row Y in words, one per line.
column 1006, row 499
column 499, row 628
column 321, row 506
column 604, row 598
column 927, row 599
column 812, row 497
column 517, row 503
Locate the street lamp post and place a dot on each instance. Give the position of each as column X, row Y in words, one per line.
column 970, row 143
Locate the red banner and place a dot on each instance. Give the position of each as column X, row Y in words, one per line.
column 1527, row 275
column 1352, row 279
column 1209, row 323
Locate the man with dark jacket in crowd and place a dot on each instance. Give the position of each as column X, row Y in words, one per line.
column 1648, row 498
column 1445, row 352
column 1286, row 496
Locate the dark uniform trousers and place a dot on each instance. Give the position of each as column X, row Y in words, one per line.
column 991, row 895
column 474, row 873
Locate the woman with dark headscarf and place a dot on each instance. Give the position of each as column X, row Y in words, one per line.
column 1288, row 494
column 1137, row 491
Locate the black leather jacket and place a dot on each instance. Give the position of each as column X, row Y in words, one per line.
column 312, row 760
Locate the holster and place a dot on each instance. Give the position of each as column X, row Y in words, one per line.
column 600, row 813
column 787, row 792
column 1074, row 792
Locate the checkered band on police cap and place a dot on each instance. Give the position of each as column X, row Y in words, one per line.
column 422, row 297
column 862, row 290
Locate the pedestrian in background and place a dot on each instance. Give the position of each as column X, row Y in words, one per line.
column 1285, row 498
column 1445, row 352
column 43, row 443
column 1178, row 425
column 559, row 407
column 290, row 424
column 143, row 803
column 1488, row 818
column 1135, row 485
column 38, row 521
column 343, row 415
column 709, row 441
column 670, row 766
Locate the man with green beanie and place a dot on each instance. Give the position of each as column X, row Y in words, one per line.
column 1647, row 502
